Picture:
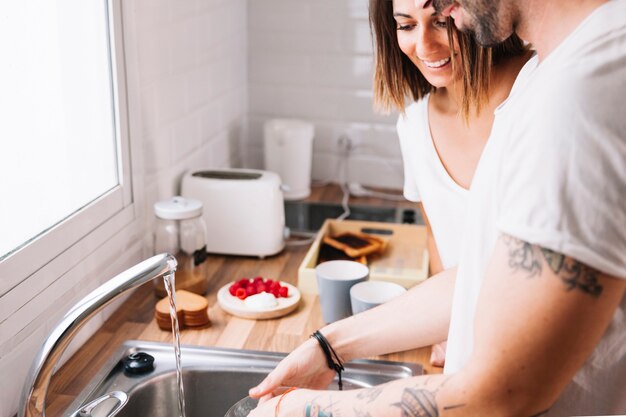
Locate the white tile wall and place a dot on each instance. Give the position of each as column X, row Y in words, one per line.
column 313, row 60
column 190, row 107
column 195, row 104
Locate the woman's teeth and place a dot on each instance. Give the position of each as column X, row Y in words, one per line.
column 437, row 64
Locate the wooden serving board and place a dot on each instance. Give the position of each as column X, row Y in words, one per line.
column 236, row 307
column 404, row 260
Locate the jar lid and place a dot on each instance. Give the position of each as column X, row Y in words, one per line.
column 178, row 208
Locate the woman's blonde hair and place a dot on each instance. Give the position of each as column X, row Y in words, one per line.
column 396, row 78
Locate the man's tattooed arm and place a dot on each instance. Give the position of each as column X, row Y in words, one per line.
column 419, row 398
column 531, row 259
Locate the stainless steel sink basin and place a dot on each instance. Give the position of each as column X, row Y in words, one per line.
column 309, row 217
column 214, row 380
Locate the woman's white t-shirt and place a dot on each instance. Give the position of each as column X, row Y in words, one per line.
column 427, row 181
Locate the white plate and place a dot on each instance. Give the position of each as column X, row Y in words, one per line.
column 237, row 307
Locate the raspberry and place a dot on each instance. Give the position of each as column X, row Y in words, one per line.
column 233, row 288
column 241, row 293
column 283, row 292
column 275, row 285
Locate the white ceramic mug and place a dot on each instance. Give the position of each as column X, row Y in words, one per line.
column 369, row 294
column 334, row 280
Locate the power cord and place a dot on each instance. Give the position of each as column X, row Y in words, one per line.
column 353, row 188
column 344, row 202
column 304, row 238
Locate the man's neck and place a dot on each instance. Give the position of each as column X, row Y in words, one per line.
column 546, row 23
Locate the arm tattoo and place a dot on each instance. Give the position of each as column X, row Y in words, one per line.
column 359, row 413
column 418, row 402
column 369, row 394
column 530, row 258
column 452, row 407
column 421, row 402
column 522, row 256
column 314, row 409
column 575, row 275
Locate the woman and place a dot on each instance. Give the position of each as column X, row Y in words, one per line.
column 455, row 76
column 456, row 85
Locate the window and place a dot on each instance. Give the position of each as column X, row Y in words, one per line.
column 64, row 166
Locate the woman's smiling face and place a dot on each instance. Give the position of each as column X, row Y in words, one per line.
column 423, row 38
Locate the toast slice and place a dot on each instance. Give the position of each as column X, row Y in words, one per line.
column 355, row 245
column 330, row 253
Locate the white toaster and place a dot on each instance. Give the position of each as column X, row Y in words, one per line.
column 243, row 210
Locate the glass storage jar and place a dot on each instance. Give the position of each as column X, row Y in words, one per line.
column 181, row 231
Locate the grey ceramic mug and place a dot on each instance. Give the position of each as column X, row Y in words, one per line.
column 334, row 280
column 370, row 294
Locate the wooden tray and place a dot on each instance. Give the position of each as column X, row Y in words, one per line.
column 405, row 260
column 236, row 307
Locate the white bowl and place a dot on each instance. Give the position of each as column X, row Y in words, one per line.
column 369, row 294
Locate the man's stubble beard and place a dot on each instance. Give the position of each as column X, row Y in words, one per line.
column 483, row 20
column 485, row 29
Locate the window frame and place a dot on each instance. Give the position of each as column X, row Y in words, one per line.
column 85, row 230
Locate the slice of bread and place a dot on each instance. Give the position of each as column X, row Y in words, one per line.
column 330, row 253
column 355, row 245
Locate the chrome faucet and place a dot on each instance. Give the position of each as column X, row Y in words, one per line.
column 33, row 399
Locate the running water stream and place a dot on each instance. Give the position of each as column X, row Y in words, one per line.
column 169, row 280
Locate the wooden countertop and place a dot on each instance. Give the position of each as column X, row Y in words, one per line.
column 134, row 319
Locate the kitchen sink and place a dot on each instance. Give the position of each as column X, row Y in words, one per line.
column 214, row 380
column 309, row 217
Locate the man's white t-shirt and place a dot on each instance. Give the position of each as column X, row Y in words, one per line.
column 553, row 173
column 427, row 181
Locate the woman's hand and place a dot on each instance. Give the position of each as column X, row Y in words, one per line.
column 305, row 367
column 291, row 403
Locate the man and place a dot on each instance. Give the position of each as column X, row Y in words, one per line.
column 538, row 323
column 559, row 156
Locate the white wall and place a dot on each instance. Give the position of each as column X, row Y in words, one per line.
column 193, row 63
column 312, row 59
column 188, row 97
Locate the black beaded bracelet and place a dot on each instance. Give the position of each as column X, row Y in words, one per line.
column 332, row 358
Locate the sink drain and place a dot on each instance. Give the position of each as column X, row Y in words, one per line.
column 138, row 363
